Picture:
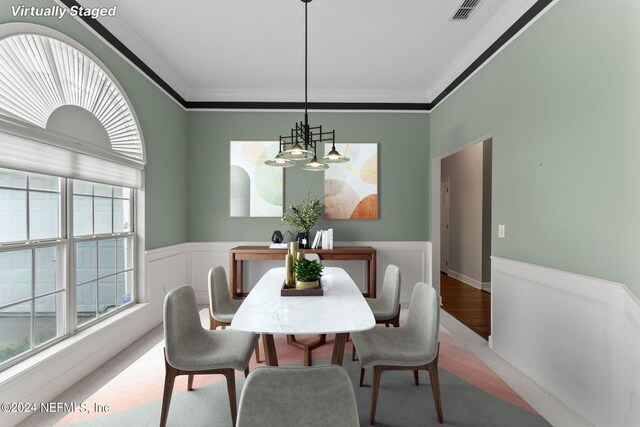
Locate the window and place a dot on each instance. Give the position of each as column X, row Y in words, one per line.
column 67, row 230
column 44, row 248
column 103, row 264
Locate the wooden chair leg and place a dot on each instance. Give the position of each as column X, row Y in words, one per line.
column 231, row 390
column 306, row 356
column 377, row 372
column 212, row 321
column 169, row 379
column 353, row 352
column 190, row 382
column 258, row 352
column 435, row 387
column 416, row 378
column 361, row 376
column 396, row 319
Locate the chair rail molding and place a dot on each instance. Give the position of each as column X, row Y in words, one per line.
column 576, row 336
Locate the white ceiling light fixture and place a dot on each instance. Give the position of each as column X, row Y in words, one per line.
column 302, row 143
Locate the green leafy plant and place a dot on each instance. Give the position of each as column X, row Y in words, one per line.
column 303, row 216
column 307, row 270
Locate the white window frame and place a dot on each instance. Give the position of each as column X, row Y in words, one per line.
column 73, row 240
column 66, row 275
column 24, row 145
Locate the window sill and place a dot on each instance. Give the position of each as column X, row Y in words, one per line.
column 58, row 350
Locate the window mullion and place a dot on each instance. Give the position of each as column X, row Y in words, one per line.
column 71, row 262
column 97, row 279
column 28, row 209
column 33, row 298
column 134, row 243
column 62, row 222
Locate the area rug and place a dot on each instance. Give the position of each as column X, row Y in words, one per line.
column 400, row 403
column 472, row 395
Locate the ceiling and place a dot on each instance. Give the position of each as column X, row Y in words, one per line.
column 360, row 51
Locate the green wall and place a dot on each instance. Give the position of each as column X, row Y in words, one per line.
column 163, row 124
column 562, row 103
column 403, row 173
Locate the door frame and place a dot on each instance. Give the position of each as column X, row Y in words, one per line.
column 436, row 170
column 446, row 181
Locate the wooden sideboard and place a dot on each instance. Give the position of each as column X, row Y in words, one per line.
column 239, row 254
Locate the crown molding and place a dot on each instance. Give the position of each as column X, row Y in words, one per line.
column 495, row 37
column 95, row 27
column 317, row 106
column 464, row 66
column 128, row 37
column 509, row 13
column 323, row 96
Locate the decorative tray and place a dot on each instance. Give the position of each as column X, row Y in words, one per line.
column 293, row 292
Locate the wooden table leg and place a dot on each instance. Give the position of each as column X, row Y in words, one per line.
column 338, row 349
column 270, row 355
column 372, row 276
column 232, row 274
column 239, row 278
column 306, row 348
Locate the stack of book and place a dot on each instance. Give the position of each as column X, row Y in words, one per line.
column 323, row 239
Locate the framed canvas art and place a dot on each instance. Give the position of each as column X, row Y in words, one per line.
column 351, row 189
column 255, row 188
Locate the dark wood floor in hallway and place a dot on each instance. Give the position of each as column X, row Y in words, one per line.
column 469, row 305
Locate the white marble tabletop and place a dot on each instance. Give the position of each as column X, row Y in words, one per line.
column 341, row 309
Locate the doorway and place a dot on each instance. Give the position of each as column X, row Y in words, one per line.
column 463, row 222
column 444, row 225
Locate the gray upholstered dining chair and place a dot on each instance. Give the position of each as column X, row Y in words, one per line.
column 413, row 346
column 313, row 257
column 191, row 350
column 386, row 308
column 298, row 396
column 221, row 307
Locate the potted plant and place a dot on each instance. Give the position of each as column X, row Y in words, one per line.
column 303, row 217
column 308, row 273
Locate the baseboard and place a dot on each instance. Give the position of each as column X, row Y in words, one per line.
column 466, row 279
column 486, row 286
column 577, row 336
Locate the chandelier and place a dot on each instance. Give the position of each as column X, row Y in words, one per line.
column 302, row 143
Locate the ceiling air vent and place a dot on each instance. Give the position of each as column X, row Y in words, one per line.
column 465, row 9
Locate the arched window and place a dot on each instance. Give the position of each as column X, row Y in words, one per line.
column 71, row 160
column 42, row 77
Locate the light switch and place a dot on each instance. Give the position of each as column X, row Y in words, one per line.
column 501, row 231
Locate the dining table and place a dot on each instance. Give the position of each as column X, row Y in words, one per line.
column 340, row 310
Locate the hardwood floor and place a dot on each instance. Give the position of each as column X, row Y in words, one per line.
column 469, row 305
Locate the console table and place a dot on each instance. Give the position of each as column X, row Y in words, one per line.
column 239, row 254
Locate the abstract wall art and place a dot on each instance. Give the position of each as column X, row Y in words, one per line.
column 255, row 188
column 351, row 189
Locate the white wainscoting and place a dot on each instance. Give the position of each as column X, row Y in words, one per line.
column 166, row 269
column 576, row 336
column 413, row 259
